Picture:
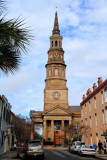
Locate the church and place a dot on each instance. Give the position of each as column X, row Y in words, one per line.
column 57, row 114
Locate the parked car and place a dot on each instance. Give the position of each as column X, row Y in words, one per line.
column 35, row 148
column 86, row 150
column 21, row 150
column 76, row 145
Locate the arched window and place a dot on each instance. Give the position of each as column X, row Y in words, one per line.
column 63, row 72
column 56, row 72
column 56, row 43
column 49, row 72
column 52, row 43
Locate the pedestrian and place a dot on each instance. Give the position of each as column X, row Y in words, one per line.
column 104, row 147
column 95, row 146
column 100, row 147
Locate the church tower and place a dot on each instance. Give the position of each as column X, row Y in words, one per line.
column 55, row 92
column 57, row 115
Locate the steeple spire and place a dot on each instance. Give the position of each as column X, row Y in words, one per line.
column 56, row 25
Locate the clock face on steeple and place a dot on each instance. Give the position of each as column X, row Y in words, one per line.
column 56, row 95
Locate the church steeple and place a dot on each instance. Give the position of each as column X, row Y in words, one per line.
column 56, row 25
column 56, row 91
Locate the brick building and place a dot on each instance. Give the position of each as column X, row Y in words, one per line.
column 94, row 112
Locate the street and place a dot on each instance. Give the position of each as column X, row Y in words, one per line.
column 63, row 155
column 51, row 154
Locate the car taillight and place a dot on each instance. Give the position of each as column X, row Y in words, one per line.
column 75, row 146
column 84, row 150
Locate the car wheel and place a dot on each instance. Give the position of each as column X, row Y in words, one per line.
column 42, row 156
column 80, row 154
column 27, row 157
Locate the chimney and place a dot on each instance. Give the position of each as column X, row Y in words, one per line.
column 88, row 92
column 83, row 97
column 100, row 81
column 94, row 86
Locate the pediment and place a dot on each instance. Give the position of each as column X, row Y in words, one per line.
column 58, row 111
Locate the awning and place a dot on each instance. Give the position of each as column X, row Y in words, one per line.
column 104, row 134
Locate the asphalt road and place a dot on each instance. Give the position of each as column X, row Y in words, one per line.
column 56, row 154
column 63, row 155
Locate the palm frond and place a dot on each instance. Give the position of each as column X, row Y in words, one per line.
column 12, row 31
column 13, row 40
column 9, row 60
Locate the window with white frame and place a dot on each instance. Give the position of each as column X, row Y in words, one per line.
column 89, row 106
column 95, row 102
column 90, row 122
column 95, row 119
column 103, row 115
column 91, row 139
column 106, row 113
column 105, row 95
column 97, row 138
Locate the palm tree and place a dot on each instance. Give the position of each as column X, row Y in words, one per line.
column 13, row 40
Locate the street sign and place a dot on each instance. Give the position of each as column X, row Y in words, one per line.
column 10, row 127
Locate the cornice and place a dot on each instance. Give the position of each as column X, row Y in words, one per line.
column 94, row 92
column 56, row 64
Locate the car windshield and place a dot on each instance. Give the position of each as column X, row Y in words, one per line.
column 34, row 143
column 90, row 147
column 80, row 143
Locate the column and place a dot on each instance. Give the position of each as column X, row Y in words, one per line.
column 52, row 130
column 70, row 123
column 62, row 133
column 32, row 131
column 44, row 130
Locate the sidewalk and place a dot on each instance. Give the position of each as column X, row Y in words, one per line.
column 101, row 156
column 12, row 155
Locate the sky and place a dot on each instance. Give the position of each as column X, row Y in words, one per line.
column 83, row 26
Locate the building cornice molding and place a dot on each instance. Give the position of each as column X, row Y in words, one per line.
column 94, row 92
